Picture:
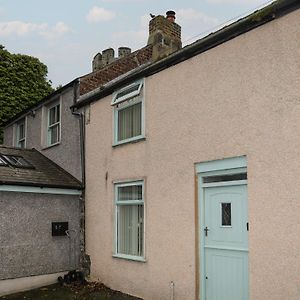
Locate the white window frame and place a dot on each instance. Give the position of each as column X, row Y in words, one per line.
column 131, row 98
column 19, row 140
column 58, row 123
column 128, row 202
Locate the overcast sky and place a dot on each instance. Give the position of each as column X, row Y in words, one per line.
column 66, row 34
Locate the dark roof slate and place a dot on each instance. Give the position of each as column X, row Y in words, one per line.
column 44, row 174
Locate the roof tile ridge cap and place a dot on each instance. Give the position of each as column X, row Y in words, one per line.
column 59, row 167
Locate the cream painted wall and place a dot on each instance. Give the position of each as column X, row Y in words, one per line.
column 240, row 98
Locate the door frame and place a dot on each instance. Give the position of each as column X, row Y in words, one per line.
column 226, row 166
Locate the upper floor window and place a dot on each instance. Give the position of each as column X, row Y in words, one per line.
column 53, row 130
column 128, row 113
column 21, row 134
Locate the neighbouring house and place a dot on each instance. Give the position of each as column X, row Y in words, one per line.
column 190, row 160
column 50, row 127
column 192, row 166
column 40, row 212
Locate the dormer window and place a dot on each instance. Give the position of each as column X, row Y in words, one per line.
column 128, row 105
column 21, row 134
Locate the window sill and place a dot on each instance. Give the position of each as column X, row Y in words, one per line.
column 130, row 257
column 50, row 146
column 130, row 141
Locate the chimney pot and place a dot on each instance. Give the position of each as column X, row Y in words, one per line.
column 97, row 62
column 108, row 56
column 170, row 15
column 123, row 51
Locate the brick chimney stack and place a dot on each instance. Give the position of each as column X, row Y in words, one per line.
column 164, row 35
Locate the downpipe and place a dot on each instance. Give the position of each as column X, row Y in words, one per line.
column 172, row 287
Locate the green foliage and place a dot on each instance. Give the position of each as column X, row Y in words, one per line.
column 23, row 82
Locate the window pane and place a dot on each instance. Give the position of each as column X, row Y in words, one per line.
column 219, row 178
column 226, row 214
column 128, row 91
column 54, row 134
column 130, row 227
column 52, row 116
column 2, row 162
column 21, row 144
column 21, row 131
column 57, row 113
column 130, row 122
column 132, row 192
column 17, row 161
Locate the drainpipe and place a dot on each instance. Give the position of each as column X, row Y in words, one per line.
column 81, row 117
column 172, row 286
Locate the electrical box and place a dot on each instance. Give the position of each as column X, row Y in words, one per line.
column 59, row 228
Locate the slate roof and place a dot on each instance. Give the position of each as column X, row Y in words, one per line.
column 43, row 173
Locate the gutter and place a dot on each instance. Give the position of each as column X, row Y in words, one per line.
column 252, row 21
column 39, row 185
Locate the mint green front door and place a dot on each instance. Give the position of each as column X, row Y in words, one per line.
column 225, row 232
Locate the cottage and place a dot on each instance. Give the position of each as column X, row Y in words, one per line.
column 192, row 167
column 40, row 210
column 190, row 160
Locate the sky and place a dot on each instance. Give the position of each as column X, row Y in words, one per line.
column 66, row 34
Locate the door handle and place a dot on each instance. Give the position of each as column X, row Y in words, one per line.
column 206, row 229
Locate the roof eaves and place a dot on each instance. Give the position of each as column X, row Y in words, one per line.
column 243, row 25
column 112, row 83
column 41, row 185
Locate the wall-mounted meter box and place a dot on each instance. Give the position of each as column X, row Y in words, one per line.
column 59, row 228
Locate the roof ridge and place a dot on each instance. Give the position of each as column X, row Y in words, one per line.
column 16, row 148
column 132, row 54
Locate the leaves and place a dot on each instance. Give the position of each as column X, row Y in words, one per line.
column 23, row 82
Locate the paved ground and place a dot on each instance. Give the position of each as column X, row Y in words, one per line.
column 90, row 291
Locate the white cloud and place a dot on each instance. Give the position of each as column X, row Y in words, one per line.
column 133, row 38
column 194, row 22
column 57, row 31
column 20, row 28
column 100, row 14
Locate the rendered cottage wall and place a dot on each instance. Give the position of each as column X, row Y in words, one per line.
column 240, row 98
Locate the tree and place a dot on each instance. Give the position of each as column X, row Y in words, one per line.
column 23, row 82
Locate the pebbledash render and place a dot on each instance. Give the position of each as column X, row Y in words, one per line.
column 192, row 167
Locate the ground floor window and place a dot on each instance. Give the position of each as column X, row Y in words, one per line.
column 129, row 203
